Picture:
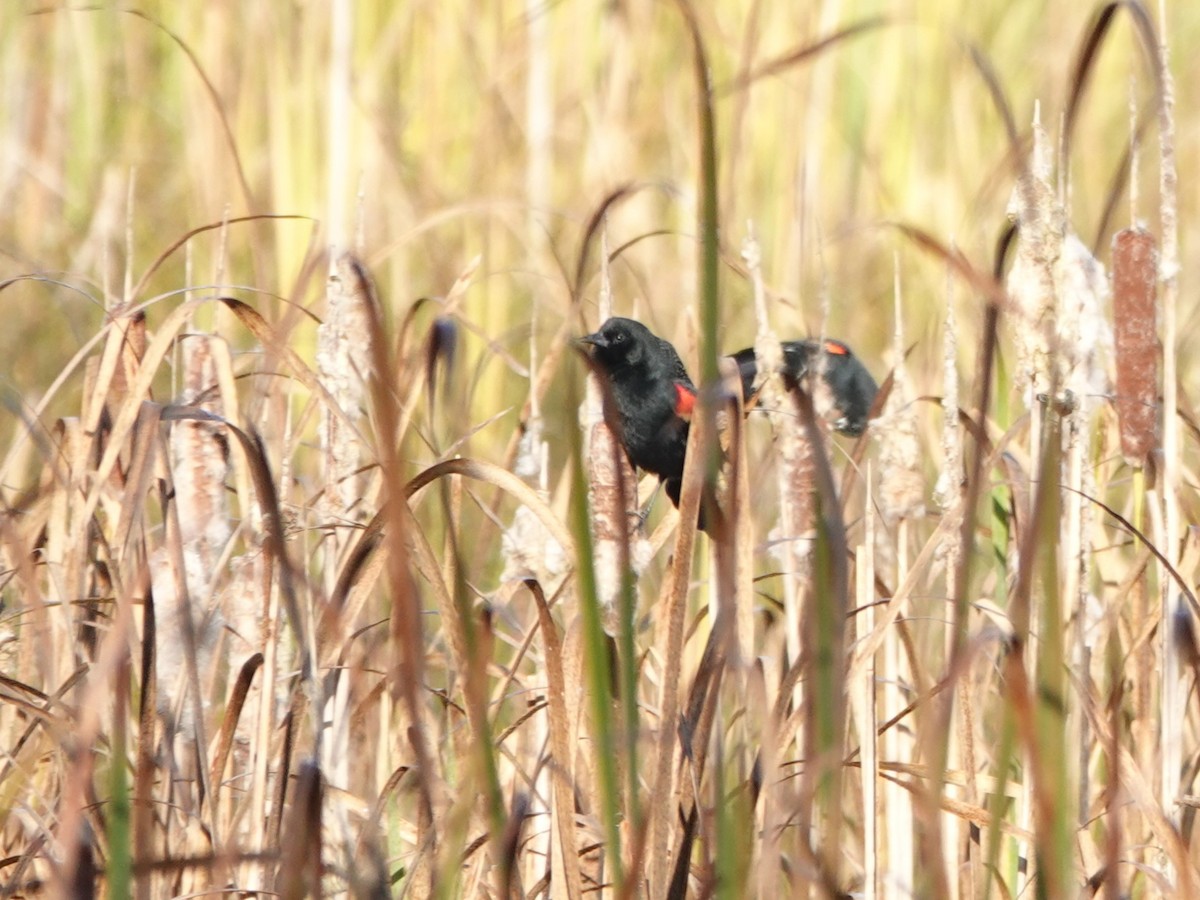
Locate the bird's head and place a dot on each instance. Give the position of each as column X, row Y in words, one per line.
column 619, row 343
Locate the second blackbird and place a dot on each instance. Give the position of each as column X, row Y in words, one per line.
column 654, row 397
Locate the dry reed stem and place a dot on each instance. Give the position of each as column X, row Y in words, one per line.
column 563, row 863
column 524, row 545
column 825, row 648
column 1085, row 337
column 947, row 493
column 1037, row 283
column 406, row 631
column 665, row 792
column 69, row 588
column 735, row 534
column 870, row 642
column 863, row 704
column 72, row 827
column 1173, row 699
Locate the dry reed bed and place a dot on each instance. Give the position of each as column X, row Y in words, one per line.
column 221, row 671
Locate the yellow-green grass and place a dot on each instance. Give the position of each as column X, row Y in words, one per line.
column 434, row 722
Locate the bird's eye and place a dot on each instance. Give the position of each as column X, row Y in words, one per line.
column 619, row 337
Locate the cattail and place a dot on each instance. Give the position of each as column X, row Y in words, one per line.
column 200, row 463
column 528, row 549
column 1031, row 281
column 1135, row 280
column 949, row 483
column 790, row 538
column 901, row 492
column 1083, row 336
column 339, row 339
column 199, row 467
column 612, row 483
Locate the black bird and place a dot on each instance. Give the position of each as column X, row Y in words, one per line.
column 654, row 396
column 850, row 384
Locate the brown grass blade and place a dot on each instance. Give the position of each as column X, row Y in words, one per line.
column 300, row 868
column 363, row 551
column 1104, row 16
column 233, row 711
column 664, row 796
column 593, row 228
column 564, row 849
column 793, row 58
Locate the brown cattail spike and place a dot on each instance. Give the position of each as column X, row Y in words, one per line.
column 1135, row 283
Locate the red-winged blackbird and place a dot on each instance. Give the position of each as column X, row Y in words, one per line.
column 654, row 396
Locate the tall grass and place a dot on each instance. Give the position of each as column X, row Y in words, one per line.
column 312, row 582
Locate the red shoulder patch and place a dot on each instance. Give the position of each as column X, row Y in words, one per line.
column 685, row 401
column 837, row 348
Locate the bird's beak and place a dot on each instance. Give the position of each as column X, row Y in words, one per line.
column 594, row 340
